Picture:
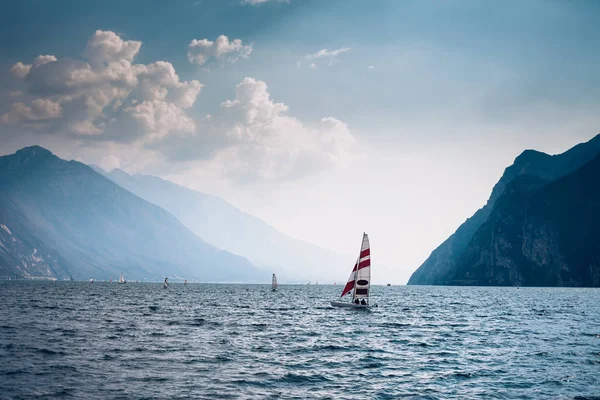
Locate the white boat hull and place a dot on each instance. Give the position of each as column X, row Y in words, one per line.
column 352, row 305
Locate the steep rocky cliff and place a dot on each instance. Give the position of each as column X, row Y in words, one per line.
column 538, row 234
column 435, row 270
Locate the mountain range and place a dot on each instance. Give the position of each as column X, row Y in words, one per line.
column 61, row 219
column 225, row 226
column 538, row 227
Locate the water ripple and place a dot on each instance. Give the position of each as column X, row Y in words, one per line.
column 68, row 339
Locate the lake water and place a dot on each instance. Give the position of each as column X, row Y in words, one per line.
column 101, row 340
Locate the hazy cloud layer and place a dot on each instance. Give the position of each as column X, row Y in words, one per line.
column 252, row 138
column 204, row 51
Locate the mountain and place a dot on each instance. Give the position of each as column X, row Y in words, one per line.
column 61, row 218
column 224, row 226
column 434, row 271
column 539, row 233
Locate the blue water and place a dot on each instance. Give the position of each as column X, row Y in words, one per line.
column 101, row 340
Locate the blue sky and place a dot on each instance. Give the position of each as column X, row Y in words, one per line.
column 427, row 101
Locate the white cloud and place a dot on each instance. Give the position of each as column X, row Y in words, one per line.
column 105, row 95
column 326, row 53
column 107, row 47
column 40, row 109
column 312, row 65
column 106, row 100
column 41, row 60
column 259, row 2
column 204, row 51
column 158, row 118
column 267, row 144
column 371, row 67
column 20, row 70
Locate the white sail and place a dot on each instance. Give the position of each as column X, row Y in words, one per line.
column 274, row 283
column 359, row 281
column 121, row 278
column 362, row 286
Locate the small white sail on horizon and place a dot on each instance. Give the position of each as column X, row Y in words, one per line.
column 122, row 279
column 359, row 282
column 274, row 283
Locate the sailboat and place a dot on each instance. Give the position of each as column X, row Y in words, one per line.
column 359, row 282
column 274, row 283
column 122, row 279
column 166, row 283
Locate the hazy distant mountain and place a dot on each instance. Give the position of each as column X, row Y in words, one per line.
column 223, row 225
column 538, row 234
column 435, row 270
column 61, row 218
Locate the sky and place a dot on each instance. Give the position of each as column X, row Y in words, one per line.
column 325, row 119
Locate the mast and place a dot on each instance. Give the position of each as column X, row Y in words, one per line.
column 357, row 265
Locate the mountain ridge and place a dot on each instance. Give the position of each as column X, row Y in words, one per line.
column 434, row 269
column 218, row 222
column 61, row 218
column 541, row 233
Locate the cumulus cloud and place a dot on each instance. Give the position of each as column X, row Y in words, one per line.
column 105, row 94
column 204, row 51
column 40, row 109
column 107, row 47
column 21, row 70
column 159, row 118
column 41, row 59
column 107, row 101
column 265, row 143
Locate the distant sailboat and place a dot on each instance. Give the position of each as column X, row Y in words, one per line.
column 91, row 280
column 185, row 282
column 122, row 279
column 274, row 283
column 359, row 282
column 166, row 284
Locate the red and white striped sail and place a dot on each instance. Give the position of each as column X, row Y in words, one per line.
column 360, row 278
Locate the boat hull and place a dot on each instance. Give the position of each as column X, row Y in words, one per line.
column 352, row 305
